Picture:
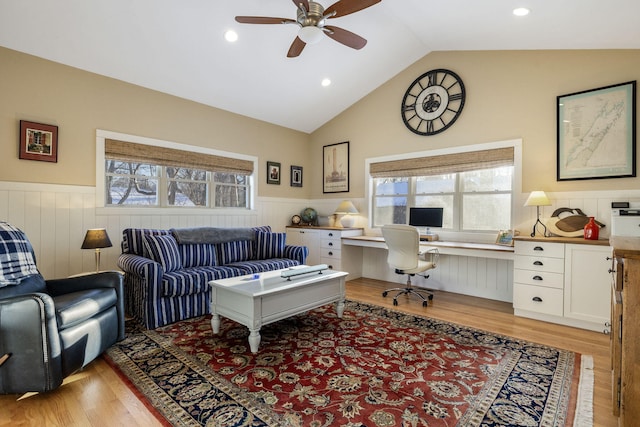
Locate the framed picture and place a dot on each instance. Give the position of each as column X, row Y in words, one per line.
column 597, row 133
column 296, row 176
column 505, row 238
column 273, row 173
column 335, row 168
column 38, row 141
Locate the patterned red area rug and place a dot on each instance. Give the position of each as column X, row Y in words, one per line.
column 373, row 367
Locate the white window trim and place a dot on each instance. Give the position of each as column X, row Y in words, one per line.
column 102, row 135
column 516, row 189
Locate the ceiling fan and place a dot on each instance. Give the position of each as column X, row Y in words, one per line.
column 312, row 20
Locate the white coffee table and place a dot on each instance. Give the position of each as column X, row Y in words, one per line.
column 256, row 300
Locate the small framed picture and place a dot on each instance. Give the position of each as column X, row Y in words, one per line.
column 296, row 176
column 273, row 173
column 505, row 238
column 38, row 142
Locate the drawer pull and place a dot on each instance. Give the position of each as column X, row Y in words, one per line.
column 538, row 263
column 538, row 248
column 330, row 253
column 330, row 234
column 536, row 299
column 330, row 243
column 537, row 278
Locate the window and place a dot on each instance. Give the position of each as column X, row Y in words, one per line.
column 148, row 175
column 474, row 188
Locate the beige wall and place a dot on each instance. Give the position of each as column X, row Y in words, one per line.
column 510, row 94
column 79, row 102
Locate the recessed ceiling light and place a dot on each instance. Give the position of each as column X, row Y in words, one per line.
column 230, row 36
column 521, row 11
column 326, row 82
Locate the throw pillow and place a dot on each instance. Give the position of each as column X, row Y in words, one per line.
column 270, row 245
column 163, row 249
column 16, row 256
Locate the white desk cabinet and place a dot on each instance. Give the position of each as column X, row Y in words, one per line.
column 325, row 247
column 559, row 281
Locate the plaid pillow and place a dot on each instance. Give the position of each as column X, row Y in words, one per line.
column 270, row 245
column 16, row 256
column 163, row 249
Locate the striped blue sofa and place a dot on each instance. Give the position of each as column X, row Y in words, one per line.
column 166, row 272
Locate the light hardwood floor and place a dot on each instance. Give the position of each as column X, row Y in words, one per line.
column 98, row 397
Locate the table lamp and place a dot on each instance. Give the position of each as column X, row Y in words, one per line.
column 96, row 238
column 346, row 208
column 537, row 199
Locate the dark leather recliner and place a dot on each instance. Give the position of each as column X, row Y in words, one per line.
column 50, row 329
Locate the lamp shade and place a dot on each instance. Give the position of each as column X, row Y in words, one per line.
column 96, row 238
column 537, row 198
column 346, row 207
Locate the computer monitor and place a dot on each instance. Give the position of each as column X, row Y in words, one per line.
column 426, row 217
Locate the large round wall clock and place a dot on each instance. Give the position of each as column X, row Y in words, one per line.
column 433, row 102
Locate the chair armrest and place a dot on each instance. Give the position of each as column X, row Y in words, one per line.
column 432, row 255
column 30, row 334
column 105, row 279
column 298, row 253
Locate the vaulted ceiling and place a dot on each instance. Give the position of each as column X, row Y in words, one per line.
column 177, row 46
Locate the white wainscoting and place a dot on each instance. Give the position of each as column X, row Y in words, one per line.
column 481, row 277
column 56, row 217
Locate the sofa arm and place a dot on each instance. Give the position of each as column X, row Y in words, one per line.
column 106, row 279
column 298, row 253
column 142, row 283
column 29, row 335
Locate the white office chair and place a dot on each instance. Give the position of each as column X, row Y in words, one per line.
column 403, row 242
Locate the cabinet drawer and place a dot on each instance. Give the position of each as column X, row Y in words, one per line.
column 543, row 249
column 539, row 278
column 330, row 253
column 330, row 234
column 538, row 299
column 333, row 263
column 539, row 263
column 331, row 243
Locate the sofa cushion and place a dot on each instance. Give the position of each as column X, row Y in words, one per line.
column 16, row 256
column 195, row 280
column 236, row 251
column 163, row 249
column 260, row 266
column 76, row 307
column 270, row 245
column 197, row 255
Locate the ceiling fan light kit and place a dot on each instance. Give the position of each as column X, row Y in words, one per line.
column 311, row 17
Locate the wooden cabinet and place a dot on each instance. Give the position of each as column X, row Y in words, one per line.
column 559, row 281
column 325, row 247
column 625, row 345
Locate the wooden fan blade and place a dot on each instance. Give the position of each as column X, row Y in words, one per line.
column 263, row 20
column 345, row 37
column 305, row 3
column 296, row 48
column 345, row 7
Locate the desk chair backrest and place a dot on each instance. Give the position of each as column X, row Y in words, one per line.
column 403, row 242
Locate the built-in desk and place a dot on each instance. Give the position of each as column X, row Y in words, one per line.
column 478, row 250
column 478, row 269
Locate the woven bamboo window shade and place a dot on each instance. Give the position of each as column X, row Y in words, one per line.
column 141, row 153
column 442, row 164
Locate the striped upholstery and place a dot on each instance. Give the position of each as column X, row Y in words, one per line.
column 236, row 251
column 197, row 255
column 159, row 297
column 163, row 250
column 270, row 245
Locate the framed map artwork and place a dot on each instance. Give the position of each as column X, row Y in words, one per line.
column 597, row 133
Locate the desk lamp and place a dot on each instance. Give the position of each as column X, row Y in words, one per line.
column 537, row 199
column 346, row 208
column 96, row 238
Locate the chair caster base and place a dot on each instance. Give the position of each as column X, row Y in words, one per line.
column 384, row 294
column 424, row 303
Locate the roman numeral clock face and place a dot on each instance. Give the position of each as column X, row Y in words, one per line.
column 433, row 102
